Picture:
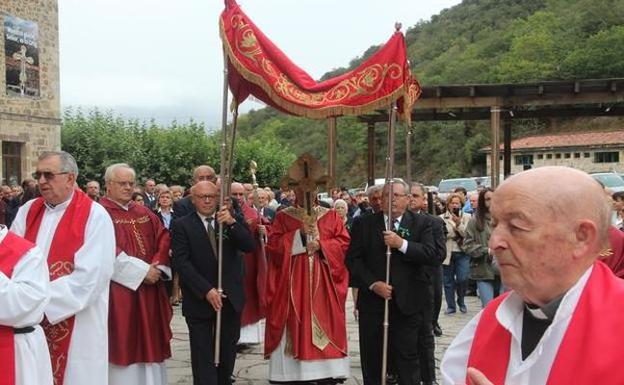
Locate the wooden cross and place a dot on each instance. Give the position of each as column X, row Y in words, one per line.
column 306, row 174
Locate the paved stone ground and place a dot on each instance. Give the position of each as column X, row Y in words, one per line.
column 252, row 369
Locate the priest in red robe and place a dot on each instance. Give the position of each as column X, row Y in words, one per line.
column 614, row 256
column 306, row 293
column 252, row 329
column 139, row 311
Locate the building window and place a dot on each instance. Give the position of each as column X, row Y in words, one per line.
column 548, row 156
column 586, row 154
column 540, row 156
column 11, row 163
column 577, row 154
column 557, row 156
column 567, row 155
column 524, row 159
column 607, row 157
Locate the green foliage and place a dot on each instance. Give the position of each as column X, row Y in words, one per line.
column 477, row 41
column 167, row 154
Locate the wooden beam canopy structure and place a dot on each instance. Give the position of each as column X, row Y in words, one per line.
column 504, row 103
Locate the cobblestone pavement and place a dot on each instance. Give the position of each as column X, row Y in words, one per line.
column 251, row 368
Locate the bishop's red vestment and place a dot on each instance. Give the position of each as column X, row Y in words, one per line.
column 306, row 295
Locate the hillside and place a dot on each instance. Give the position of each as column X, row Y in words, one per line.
column 477, row 41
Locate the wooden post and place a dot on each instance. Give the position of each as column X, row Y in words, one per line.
column 495, row 112
column 331, row 144
column 371, row 153
column 408, row 155
column 507, row 147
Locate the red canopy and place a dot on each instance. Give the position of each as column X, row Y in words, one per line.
column 257, row 67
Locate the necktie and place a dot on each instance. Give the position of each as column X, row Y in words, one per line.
column 211, row 235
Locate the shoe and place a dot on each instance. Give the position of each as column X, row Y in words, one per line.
column 462, row 308
column 450, row 311
column 437, row 330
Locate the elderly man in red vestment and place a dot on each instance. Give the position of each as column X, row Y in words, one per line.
column 307, row 289
column 252, row 331
column 139, row 311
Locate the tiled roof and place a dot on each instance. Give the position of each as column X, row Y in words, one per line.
column 570, row 139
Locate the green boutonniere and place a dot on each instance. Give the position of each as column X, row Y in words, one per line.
column 403, row 232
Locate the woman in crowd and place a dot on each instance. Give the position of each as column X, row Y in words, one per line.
column 137, row 197
column 456, row 265
column 342, row 208
column 164, row 209
column 478, row 233
column 177, row 192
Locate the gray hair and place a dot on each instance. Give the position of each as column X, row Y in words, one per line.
column 110, row 170
column 421, row 186
column 373, row 189
column 68, row 163
column 402, row 183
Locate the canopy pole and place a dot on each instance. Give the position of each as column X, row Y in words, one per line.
column 331, row 144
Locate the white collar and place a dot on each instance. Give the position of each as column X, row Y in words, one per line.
column 60, row 206
column 3, row 232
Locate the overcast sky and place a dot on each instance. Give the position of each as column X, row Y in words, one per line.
column 162, row 58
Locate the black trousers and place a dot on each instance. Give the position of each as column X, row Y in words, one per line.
column 402, row 345
column 426, row 342
column 201, row 336
column 437, row 291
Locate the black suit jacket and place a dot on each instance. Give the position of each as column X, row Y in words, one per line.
column 183, row 207
column 195, row 261
column 366, row 261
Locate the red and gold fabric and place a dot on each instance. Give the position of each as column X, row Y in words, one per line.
column 68, row 239
column 258, row 67
column 12, row 248
column 306, row 294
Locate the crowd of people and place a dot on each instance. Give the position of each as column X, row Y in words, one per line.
column 88, row 278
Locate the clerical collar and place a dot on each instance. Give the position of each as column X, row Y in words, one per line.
column 62, row 205
column 125, row 207
column 546, row 312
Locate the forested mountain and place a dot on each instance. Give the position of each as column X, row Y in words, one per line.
column 477, row 41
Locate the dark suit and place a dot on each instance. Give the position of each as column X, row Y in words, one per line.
column 268, row 213
column 366, row 260
column 183, row 207
column 196, row 263
column 426, row 340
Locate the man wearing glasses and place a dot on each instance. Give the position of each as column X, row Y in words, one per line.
column 77, row 237
column 194, row 245
column 412, row 245
column 139, row 313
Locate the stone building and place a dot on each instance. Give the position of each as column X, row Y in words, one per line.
column 587, row 151
column 29, row 85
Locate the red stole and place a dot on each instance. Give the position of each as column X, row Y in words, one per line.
column 12, row 248
column 596, row 330
column 68, row 239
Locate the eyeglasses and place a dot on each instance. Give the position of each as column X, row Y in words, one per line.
column 238, row 194
column 206, row 177
column 47, row 175
column 123, row 183
column 205, row 196
column 416, row 195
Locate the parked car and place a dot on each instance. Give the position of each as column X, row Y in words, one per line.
column 610, row 180
column 447, row 186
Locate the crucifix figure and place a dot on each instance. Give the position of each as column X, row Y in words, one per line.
column 23, row 59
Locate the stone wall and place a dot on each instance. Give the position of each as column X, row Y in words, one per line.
column 33, row 122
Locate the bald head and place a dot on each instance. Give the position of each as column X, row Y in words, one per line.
column 237, row 190
column 559, row 190
column 543, row 238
